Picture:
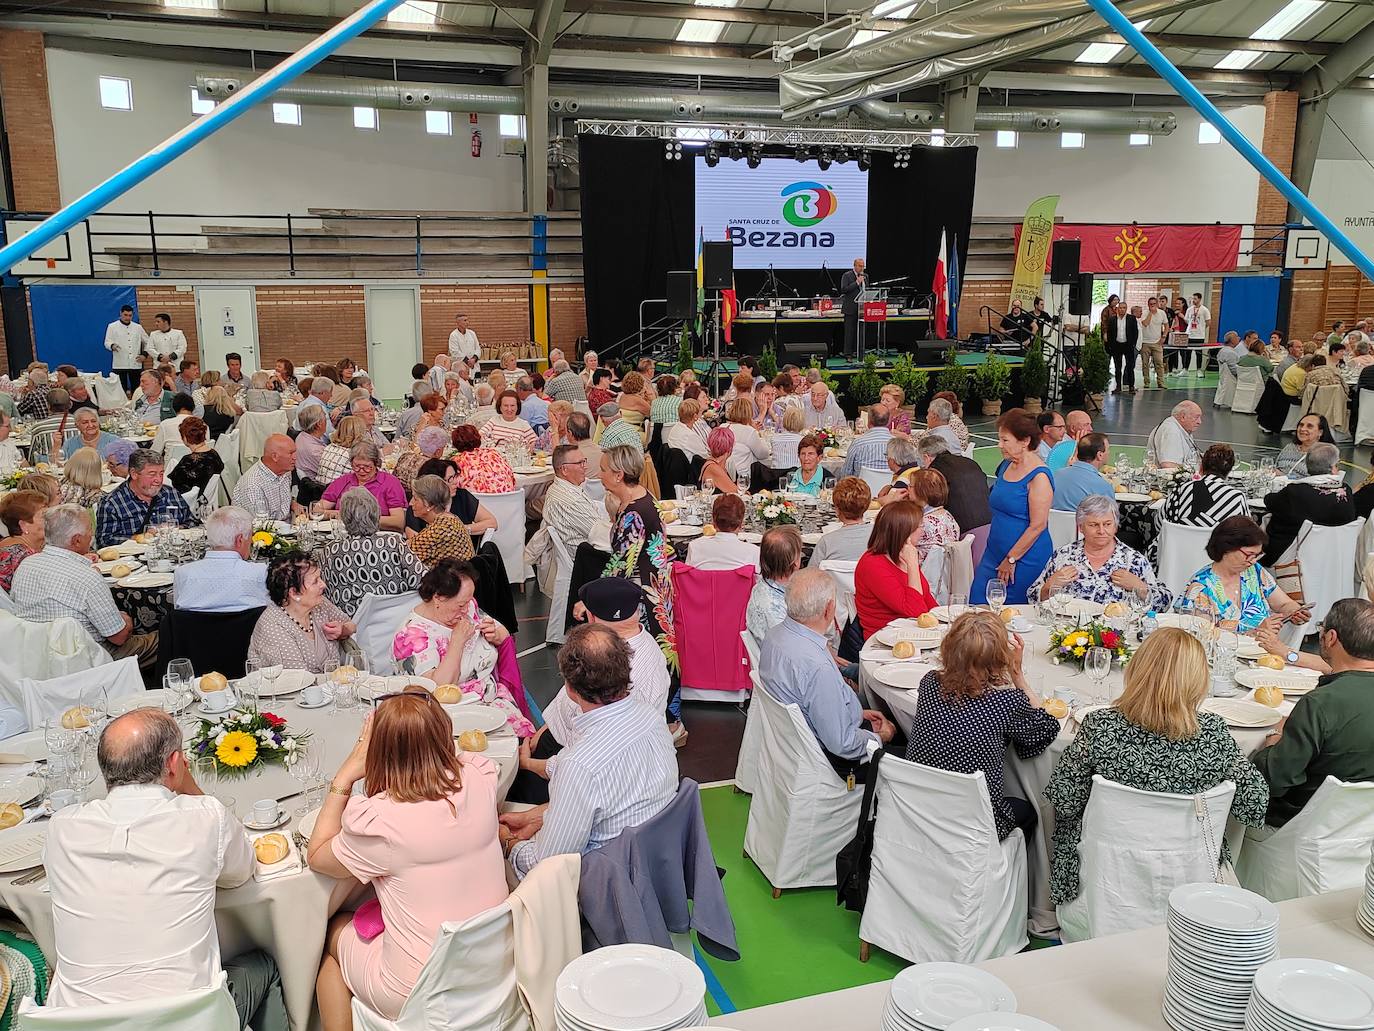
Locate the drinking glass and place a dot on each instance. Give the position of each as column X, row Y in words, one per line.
column 181, row 671
column 96, row 699
column 246, row 688
column 82, row 768
column 60, row 740
column 305, row 771
column 205, row 771
column 958, row 605
column 997, row 594
column 1098, row 665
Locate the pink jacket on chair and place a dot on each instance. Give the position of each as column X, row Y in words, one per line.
column 708, row 614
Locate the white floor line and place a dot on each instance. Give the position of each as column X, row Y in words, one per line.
column 529, row 651
column 717, row 784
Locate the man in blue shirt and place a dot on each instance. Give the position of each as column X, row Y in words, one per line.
column 139, row 503
column 797, row 668
column 533, row 408
column 869, row 449
column 1084, row 478
column 224, row 580
column 1076, row 425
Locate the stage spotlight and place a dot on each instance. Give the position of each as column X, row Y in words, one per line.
column 842, row 156
column 755, row 157
column 802, row 155
column 672, row 150
column 865, row 160
column 712, row 155
column 736, row 151
column 901, row 158
column 823, row 162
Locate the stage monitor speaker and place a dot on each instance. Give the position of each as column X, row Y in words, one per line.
column 682, row 295
column 1081, row 295
column 718, row 265
column 1064, row 261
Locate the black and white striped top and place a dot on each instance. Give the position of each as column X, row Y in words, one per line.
column 1205, row 502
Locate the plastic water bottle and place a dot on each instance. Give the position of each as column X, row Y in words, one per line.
column 1149, row 624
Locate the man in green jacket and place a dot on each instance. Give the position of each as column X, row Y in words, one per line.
column 1331, row 729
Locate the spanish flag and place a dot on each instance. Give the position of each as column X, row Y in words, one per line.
column 701, row 279
column 729, row 308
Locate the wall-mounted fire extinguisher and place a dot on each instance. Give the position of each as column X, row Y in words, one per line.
column 476, row 135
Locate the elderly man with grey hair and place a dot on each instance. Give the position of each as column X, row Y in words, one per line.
column 485, row 396
column 321, row 389
column 1098, row 567
column 615, row 431
column 366, row 560
column 969, row 501
column 796, row 668
column 365, row 410
column 1170, row 444
column 938, row 416
column 564, row 384
column 568, row 511
column 405, row 422
column 134, row 876
column 821, row 408
column 60, row 581
column 224, row 580
column 1321, row 496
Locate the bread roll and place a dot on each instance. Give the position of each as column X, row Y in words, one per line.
column 1056, row 707
column 926, row 621
column 108, row 554
column 77, row 717
column 121, row 570
column 708, row 530
column 448, row 694
column 1115, row 608
column 11, row 814
column 1270, row 662
column 472, row 741
column 903, row 650
column 1008, row 615
column 212, row 682
column 1269, row 695
column 344, row 673
column 271, row 848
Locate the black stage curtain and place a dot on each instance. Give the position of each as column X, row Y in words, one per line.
column 638, row 212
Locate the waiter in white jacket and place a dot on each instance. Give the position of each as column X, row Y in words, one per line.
column 168, row 344
column 462, row 342
column 125, row 340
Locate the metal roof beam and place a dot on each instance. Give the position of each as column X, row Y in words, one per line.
column 1198, row 41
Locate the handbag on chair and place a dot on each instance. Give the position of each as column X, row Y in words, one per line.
column 1288, row 575
column 854, row 862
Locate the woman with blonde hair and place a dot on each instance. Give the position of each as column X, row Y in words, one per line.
column 44, row 483
column 220, row 410
column 1153, row 738
column 208, row 379
column 82, row 478
column 424, row 834
column 558, row 423
column 335, row 458
column 634, row 401
column 976, row 705
column 892, row 397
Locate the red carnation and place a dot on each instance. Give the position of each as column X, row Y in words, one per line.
column 273, row 721
column 1110, row 638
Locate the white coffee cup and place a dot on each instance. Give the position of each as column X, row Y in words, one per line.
column 265, row 810
column 62, row 798
column 313, row 694
column 216, row 701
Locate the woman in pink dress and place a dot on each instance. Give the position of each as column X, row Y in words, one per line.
column 425, row 836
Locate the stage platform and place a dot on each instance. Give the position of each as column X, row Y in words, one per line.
column 847, row 366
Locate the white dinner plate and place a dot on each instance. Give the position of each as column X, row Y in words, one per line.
column 630, row 988
column 1132, row 497
column 1223, row 907
column 22, row 790
column 1181, row 620
column 812, row 538
column 1290, row 680
column 146, row 579
column 1001, row 1022
column 104, row 568
column 907, row 630
column 1240, row 712
column 1080, row 608
column 1249, row 648
column 530, row 470
column 142, row 700
column 401, row 681
column 682, row 530
column 1327, row 994
column 486, row 718
column 937, row 994
column 24, row 748
column 289, row 681
column 904, row 675
column 306, row 826
column 750, row 537
column 131, row 548
column 21, row 851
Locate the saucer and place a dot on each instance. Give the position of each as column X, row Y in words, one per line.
column 318, row 705
column 280, row 819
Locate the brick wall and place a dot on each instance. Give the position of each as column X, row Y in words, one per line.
column 567, row 316
column 976, row 293
column 500, row 315
column 1308, row 304
column 1280, row 126
column 179, row 304
column 28, row 120
column 311, row 323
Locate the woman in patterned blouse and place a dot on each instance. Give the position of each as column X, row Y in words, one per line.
column 481, row 470
column 929, row 489
column 1153, row 739
column 892, row 397
column 335, row 460
column 1098, row 567
column 22, row 514
column 364, row 561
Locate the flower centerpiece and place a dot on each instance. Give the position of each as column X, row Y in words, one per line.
column 826, row 437
column 772, row 510
column 10, row 481
column 244, row 740
column 1073, row 644
column 267, row 543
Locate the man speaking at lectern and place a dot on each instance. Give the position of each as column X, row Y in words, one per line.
column 851, row 284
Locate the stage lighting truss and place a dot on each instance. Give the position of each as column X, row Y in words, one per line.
column 786, row 137
column 755, row 157
column 826, row 159
column 736, row 151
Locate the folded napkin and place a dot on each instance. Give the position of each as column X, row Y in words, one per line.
column 285, row 868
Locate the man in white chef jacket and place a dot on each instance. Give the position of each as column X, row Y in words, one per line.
column 125, row 340
column 168, row 344
column 462, row 342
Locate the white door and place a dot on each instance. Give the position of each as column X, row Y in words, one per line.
column 227, row 320
column 393, row 338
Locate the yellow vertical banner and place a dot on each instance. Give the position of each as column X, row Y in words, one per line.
column 1033, row 250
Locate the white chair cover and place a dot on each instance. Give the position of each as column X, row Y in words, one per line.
column 509, row 535
column 254, row 428
column 583, row 407
column 108, row 391
column 1245, row 398
column 1333, row 401
column 44, row 699
column 212, row 493
column 968, row 451
column 1364, row 428
column 42, row 651
column 562, row 583
column 228, row 448
column 1063, row 528
column 378, row 618
column 172, row 453
column 1135, row 847
column 1226, row 386
column 933, row 569
column 959, row 566
column 1324, row 848
column 1295, row 413
column 468, row 983
column 1182, row 552
column 842, row 572
column 876, row 479
column 747, row 764
column 1327, row 555
column 801, row 814
column 204, row 1009
column 6, row 603
column 40, row 444
column 1364, row 550
column 942, row 886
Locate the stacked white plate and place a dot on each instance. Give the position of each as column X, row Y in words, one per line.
column 934, row 996
column 630, row 988
column 1219, row 936
column 1310, row 995
column 1364, row 915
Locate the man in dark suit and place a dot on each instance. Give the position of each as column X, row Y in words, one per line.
column 1322, row 496
column 851, row 284
column 1123, row 334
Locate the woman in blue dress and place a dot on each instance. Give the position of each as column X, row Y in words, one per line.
column 1019, row 539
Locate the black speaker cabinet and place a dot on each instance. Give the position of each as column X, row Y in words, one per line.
column 718, row 265
column 1081, row 294
column 1064, row 261
column 682, row 295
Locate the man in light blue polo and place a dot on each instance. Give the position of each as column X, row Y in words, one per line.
column 1084, row 478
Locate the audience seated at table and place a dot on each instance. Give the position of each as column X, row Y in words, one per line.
column 1152, row 738
column 688, row 434
column 1052, row 432
column 367, row 559
column 1077, row 425
column 1171, row 444
column 429, row 442
column 927, row 487
column 809, row 477
column 11, row 458
column 903, row 458
column 1312, row 429
column 780, row 555
column 1321, row 497
column 786, row 439
column 444, row 535
column 224, row 580
column 139, row 503
column 869, row 449
column 749, row 446
column 481, row 470
column 507, row 427
column 448, row 639
column 44, row 483
column 219, row 411
column 667, row 399
column 821, row 409
column 568, row 511
column 1211, row 497
column 183, row 407
column 619, row 772
column 22, row 513
column 1083, row 478
column 725, row 549
column 133, row 879
column 82, row 478
column 301, row 629
column 1330, row 731
column 1019, row 542
column 365, row 460
column 717, row 472
column 1256, row 357
column 888, row 582
column 969, row 499
column 424, row 835
column 152, row 403
column 892, row 397
column 202, row 462
column 848, row 541
column 265, row 489
column 363, row 408
column 977, row 705
column 334, row 458
column 939, row 417
column 1098, row 567
column 89, row 434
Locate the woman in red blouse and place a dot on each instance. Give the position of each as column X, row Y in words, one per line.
column 888, row 583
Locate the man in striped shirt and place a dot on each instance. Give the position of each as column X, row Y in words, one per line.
column 621, row 770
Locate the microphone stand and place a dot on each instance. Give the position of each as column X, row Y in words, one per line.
column 829, row 278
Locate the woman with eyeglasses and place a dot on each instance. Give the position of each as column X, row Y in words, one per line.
column 365, row 460
column 424, row 834
column 462, row 502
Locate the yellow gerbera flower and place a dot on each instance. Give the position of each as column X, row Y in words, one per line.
column 1077, row 651
column 237, row 749
column 263, row 538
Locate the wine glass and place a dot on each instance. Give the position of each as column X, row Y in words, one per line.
column 95, row 698
column 305, row 771
column 958, row 605
column 180, row 671
column 82, row 768
column 997, row 595
column 1098, row 665
column 206, row 772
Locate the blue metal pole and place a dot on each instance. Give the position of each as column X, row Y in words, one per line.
column 172, row 148
column 1185, row 89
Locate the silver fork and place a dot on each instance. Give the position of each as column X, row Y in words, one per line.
column 31, row 877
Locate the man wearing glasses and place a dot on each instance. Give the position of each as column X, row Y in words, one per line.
column 568, row 512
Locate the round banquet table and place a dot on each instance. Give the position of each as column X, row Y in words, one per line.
column 1024, row 778
column 286, row 915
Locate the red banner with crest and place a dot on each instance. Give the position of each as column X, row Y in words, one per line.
column 1132, row 248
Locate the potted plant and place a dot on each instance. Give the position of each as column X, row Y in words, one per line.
column 915, row 383
column 865, row 384
column 768, row 363
column 953, row 376
column 1096, row 367
column 1035, row 376
column 685, row 359
column 993, row 380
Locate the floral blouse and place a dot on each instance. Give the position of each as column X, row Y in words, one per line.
column 640, row 551
column 1256, row 584
column 1096, row 584
column 938, row 528
column 9, row 562
column 1109, row 744
column 483, row 471
column 899, row 421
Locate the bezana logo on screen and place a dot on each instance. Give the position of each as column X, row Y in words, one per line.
column 804, row 205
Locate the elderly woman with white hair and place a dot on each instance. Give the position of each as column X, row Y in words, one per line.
column 590, row 363
column 430, row 442
column 366, row 560
column 260, row 397
column 1097, row 566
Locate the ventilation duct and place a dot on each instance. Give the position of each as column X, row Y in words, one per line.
column 387, row 96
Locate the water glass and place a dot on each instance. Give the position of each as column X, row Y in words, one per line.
column 246, row 688
column 997, row 594
column 1098, row 665
column 958, row 605
column 206, row 772
column 305, row 771
column 81, row 768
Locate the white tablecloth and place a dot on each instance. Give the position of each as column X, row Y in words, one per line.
column 1108, row 984
column 1024, row 778
column 285, row 916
